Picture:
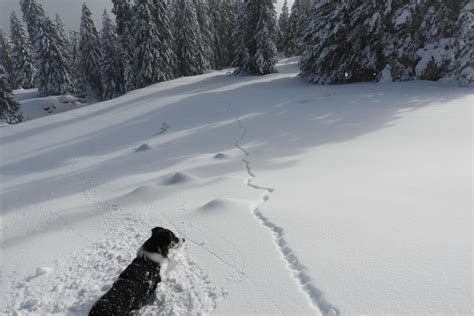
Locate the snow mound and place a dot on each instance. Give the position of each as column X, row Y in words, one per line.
column 178, row 178
column 143, row 190
column 142, row 148
column 219, row 204
column 221, row 156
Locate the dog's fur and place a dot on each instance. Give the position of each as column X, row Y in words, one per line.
column 139, row 280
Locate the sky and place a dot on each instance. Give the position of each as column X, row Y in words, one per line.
column 70, row 10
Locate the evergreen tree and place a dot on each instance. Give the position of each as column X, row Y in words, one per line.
column 10, row 110
column 6, row 53
column 161, row 15
column 222, row 16
column 296, row 28
column 33, row 15
column 188, row 39
column 283, row 25
column 255, row 29
column 74, row 38
column 64, row 37
column 340, row 42
column 89, row 53
column 148, row 63
column 54, row 75
column 122, row 9
column 24, row 71
column 111, row 77
column 207, row 32
column 465, row 59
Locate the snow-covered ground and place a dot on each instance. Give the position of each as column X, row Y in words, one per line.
column 293, row 198
column 33, row 106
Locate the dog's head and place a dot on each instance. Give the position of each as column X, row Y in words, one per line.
column 162, row 240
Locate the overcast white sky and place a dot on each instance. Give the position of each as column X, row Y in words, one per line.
column 69, row 10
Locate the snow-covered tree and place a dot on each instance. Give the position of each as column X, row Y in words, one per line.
column 207, row 32
column 188, row 39
column 88, row 66
column 255, row 32
column 54, row 75
column 283, row 25
column 10, row 110
column 23, row 71
column 64, row 36
column 342, row 43
column 122, row 9
column 6, row 53
column 111, row 77
column 437, row 29
column 147, row 60
column 161, row 15
column 33, row 15
column 464, row 70
column 297, row 24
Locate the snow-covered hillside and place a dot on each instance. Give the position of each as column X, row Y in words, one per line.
column 293, row 198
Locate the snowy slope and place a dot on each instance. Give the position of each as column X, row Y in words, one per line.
column 293, row 198
column 34, row 106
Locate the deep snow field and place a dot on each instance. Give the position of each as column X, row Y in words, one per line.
column 293, row 198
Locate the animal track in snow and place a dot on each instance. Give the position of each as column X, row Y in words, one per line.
column 294, row 264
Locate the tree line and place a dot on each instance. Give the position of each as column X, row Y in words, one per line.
column 150, row 41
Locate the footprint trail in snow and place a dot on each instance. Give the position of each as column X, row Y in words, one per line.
column 297, row 269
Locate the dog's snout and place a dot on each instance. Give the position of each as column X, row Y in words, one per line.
column 184, row 240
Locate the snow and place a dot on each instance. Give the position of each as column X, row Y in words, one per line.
column 293, row 198
column 33, row 106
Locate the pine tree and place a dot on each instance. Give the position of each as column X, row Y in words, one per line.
column 122, row 9
column 24, row 71
column 340, row 42
column 33, row 16
column 148, row 64
column 54, row 75
column 10, row 110
column 222, row 16
column 161, row 15
column 89, row 53
column 188, row 39
column 255, row 30
column 64, row 37
column 464, row 70
column 6, row 53
column 207, row 32
column 283, row 25
column 111, row 77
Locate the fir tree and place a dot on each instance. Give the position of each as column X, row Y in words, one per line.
column 89, row 53
column 464, row 70
column 339, row 42
column 283, row 25
column 24, row 71
column 188, row 39
column 112, row 80
column 10, row 110
column 54, row 75
column 33, row 16
column 161, row 15
column 222, row 15
column 148, row 63
column 122, row 9
column 255, row 29
column 295, row 32
column 6, row 53
column 207, row 32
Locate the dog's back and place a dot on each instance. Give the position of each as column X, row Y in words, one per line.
column 133, row 288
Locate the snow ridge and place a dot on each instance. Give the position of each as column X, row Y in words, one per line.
column 294, row 264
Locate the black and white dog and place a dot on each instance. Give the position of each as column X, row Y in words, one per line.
column 139, row 280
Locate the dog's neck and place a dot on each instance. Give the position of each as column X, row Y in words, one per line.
column 156, row 258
